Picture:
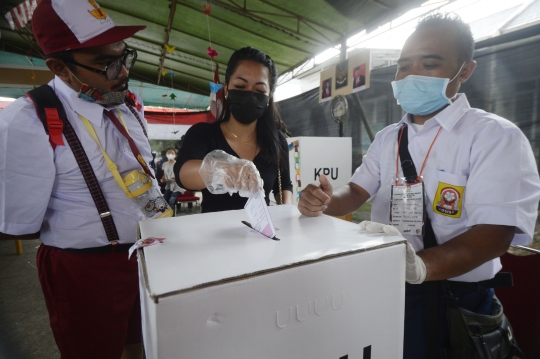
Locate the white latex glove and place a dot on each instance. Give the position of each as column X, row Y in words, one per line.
column 223, row 173
column 415, row 266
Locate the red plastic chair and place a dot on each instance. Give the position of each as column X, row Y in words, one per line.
column 186, row 197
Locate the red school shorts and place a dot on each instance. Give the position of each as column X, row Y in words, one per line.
column 93, row 301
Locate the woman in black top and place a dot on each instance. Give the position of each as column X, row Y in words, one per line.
column 246, row 129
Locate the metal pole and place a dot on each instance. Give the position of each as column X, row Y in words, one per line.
column 364, row 118
column 527, row 249
column 342, row 57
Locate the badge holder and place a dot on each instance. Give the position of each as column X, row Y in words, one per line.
column 407, row 206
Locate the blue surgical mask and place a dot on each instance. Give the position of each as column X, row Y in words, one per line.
column 422, row 95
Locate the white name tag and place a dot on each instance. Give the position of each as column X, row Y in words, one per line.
column 407, row 210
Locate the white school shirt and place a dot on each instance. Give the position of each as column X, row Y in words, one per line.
column 42, row 190
column 481, row 159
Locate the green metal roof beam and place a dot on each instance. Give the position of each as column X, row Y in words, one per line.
column 256, row 34
column 248, row 13
column 183, row 63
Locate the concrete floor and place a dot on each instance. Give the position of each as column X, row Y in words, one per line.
column 24, row 321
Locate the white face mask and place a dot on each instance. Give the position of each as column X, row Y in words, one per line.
column 170, row 157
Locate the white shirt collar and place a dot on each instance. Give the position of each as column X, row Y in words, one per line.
column 448, row 117
column 93, row 112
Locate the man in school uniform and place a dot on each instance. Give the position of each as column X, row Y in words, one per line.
column 474, row 172
column 89, row 284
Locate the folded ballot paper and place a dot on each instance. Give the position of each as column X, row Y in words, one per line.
column 258, row 215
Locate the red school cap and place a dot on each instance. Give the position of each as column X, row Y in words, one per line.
column 60, row 25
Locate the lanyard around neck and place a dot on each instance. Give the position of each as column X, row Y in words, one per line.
column 110, row 164
column 419, row 177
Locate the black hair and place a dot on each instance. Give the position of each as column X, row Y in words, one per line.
column 267, row 131
column 66, row 57
column 464, row 38
column 174, row 149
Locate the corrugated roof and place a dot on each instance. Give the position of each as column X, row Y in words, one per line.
column 486, row 27
column 291, row 32
column 527, row 16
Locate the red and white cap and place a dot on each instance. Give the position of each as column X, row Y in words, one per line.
column 60, row 25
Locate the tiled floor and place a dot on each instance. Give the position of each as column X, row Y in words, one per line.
column 24, row 322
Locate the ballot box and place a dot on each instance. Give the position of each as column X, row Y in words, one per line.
column 310, row 157
column 216, row 289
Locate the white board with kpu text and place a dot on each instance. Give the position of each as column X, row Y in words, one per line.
column 310, row 157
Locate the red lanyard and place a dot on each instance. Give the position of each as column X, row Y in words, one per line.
column 425, row 159
column 131, row 143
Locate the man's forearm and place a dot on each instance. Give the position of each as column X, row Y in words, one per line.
column 467, row 251
column 22, row 236
column 346, row 199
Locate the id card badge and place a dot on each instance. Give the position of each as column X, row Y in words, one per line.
column 407, row 207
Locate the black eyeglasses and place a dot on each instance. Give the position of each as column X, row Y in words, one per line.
column 112, row 70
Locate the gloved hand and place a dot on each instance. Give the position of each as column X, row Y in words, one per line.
column 223, row 173
column 415, row 266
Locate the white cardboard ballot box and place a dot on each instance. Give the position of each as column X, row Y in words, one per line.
column 309, row 157
column 217, row 289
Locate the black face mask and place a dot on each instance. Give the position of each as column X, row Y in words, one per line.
column 247, row 106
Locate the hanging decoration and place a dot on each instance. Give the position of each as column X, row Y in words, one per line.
column 164, row 72
column 20, row 15
column 216, row 88
column 212, row 53
column 172, row 96
column 215, row 99
column 206, row 9
column 170, row 49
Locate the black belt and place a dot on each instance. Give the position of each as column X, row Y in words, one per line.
column 500, row 280
column 111, row 248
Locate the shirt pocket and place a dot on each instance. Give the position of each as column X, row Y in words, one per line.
column 448, row 198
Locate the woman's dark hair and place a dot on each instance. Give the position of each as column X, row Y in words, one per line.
column 172, row 149
column 267, row 131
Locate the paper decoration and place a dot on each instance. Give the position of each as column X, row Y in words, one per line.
column 172, row 96
column 206, row 9
column 170, row 49
column 20, row 15
column 212, row 53
column 151, row 241
column 215, row 99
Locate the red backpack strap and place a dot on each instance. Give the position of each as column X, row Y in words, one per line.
column 47, row 108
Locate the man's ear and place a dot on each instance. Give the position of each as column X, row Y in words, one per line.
column 467, row 70
column 58, row 67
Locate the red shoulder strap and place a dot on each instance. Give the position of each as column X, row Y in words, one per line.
column 47, row 108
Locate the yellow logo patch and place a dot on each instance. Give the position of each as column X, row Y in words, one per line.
column 448, row 200
column 98, row 12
